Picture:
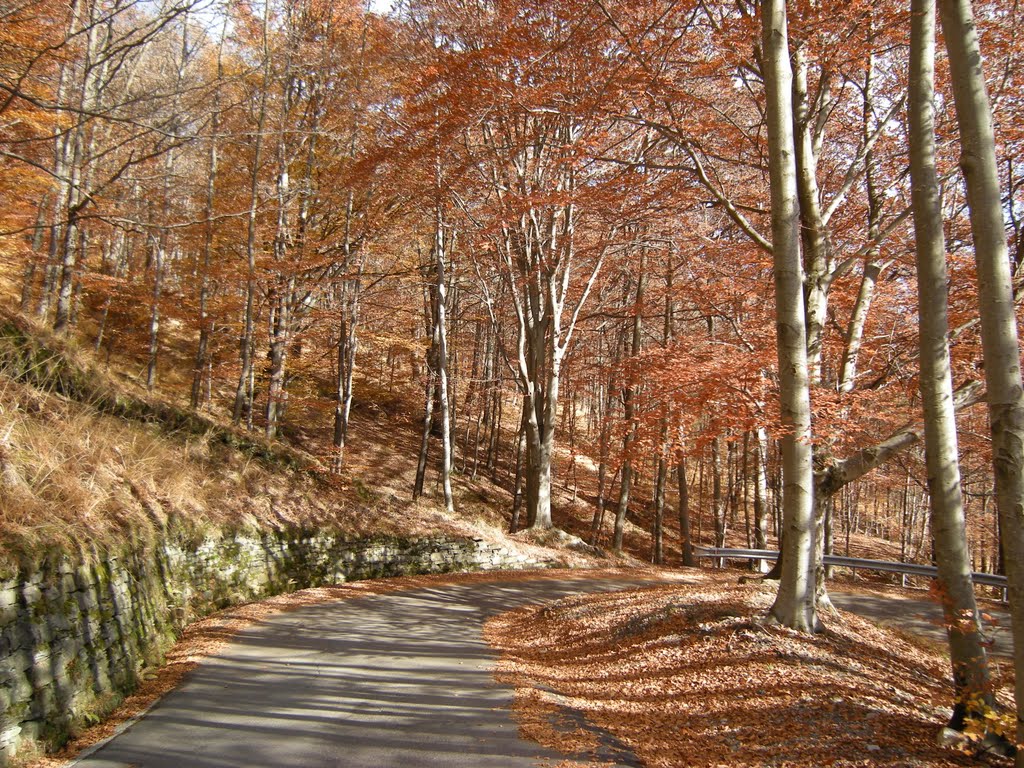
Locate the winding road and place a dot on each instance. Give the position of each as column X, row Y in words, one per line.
column 401, row 679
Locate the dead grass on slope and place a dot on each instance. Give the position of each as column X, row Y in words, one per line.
column 75, row 481
column 681, row 675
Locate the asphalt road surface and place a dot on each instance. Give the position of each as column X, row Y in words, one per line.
column 395, row 680
column 923, row 618
column 403, row 679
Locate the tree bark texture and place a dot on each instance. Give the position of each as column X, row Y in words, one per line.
column 967, row 651
column 794, row 605
column 1000, row 345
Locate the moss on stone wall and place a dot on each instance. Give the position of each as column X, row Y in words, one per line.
column 74, row 636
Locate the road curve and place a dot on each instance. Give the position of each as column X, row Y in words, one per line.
column 403, row 679
column 399, row 679
column 923, row 617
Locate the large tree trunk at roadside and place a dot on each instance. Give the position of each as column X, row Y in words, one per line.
column 998, row 318
column 794, row 605
column 967, row 652
column 517, row 478
column 540, row 444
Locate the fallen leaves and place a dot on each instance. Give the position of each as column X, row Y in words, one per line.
column 686, row 675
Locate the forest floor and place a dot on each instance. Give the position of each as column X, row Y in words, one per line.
column 688, row 675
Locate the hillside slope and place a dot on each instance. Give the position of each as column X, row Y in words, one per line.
column 88, row 462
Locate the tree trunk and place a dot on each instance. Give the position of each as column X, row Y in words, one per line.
column 517, row 491
column 159, row 257
column 794, row 605
column 201, row 360
column 685, row 539
column 717, row 501
column 812, row 230
column 442, row 359
column 430, row 391
column 243, row 393
column 540, row 434
column 77, row 151
column 967, row 652
column 872, row 265
column 658, row 553
column 761, row 512
column 996, row 306
column 348, row 346
column 280, row 340
column 32, row 261
column 628, row 394
column 606, row 399
column 663, row 465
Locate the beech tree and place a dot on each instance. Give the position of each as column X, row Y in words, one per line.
column 967, row 652
column 795, row 603
column 996, row 307
column 536, row 215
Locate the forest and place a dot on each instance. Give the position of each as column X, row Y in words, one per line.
column 747, row 272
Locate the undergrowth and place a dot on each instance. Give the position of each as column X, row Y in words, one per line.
column 86, row 465
column 90, row 464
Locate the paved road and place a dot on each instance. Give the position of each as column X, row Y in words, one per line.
column 394, row 680
column 922, row 617
column 402, row 679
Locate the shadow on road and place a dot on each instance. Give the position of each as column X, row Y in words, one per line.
column 394, row 680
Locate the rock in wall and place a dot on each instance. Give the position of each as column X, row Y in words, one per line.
column 74, row 637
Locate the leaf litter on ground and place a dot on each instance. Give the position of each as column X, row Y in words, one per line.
column 689, row 674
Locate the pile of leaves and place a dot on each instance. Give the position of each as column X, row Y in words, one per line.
column 688, row 675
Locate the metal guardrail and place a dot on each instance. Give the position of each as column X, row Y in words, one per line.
column 886, row 566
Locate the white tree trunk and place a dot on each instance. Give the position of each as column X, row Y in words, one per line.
column 813, row 230
column 998, row 319
column 442, row 362
column 794, row 605
column 243, row 393
column 967, row 652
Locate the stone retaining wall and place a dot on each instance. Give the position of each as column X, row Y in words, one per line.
column 74, row 638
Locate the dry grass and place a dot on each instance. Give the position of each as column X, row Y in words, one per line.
column 683, row 676
column 90, row 462
column 73, row 479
